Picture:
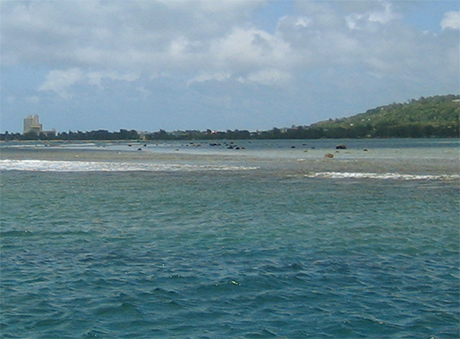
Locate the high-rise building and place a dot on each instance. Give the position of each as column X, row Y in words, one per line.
column 32, row 124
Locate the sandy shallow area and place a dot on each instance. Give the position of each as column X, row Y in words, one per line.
column 282, row 161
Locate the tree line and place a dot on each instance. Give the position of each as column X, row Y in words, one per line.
column 122, row 134
column 436, row 116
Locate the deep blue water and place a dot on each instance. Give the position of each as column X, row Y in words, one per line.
column 227, row 254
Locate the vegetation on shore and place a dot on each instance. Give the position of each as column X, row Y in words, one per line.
column 436, row 116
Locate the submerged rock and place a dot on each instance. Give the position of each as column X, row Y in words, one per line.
column 329, row 155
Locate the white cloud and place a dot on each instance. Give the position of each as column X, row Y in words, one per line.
column 364, row 20
column 302, row 22
column 384, row 16
column 59, row 81
column 95, row 78
column 451, row 20
column 242, row 50
column 204, row 77
column 270, row 77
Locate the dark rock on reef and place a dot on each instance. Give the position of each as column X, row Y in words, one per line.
column 341, row 147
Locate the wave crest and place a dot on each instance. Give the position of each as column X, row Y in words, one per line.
column 94, row 166
column 385, row 176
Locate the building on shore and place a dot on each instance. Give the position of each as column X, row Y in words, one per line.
column 32, row 125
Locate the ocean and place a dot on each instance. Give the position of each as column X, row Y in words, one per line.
column 230, row 239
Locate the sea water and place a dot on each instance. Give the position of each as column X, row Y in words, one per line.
column 250, row 239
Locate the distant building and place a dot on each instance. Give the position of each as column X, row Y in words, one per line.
column 32, row 125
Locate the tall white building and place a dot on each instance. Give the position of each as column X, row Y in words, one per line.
column 31, row 124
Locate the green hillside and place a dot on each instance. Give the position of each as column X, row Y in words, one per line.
column 436, row 116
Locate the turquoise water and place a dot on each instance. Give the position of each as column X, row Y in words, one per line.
column 270, row 241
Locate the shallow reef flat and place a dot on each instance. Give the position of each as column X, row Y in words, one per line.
column 438, row 157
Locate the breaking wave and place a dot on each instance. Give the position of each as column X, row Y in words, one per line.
column 93, row 166
column 387, row 176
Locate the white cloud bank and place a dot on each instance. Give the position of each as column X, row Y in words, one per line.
column 59, row 81
column 92, row 44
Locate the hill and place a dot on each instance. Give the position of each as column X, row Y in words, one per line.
column 436, row 116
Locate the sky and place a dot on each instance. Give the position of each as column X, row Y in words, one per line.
column 220, row 65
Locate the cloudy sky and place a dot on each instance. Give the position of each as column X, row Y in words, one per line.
column 227, row 64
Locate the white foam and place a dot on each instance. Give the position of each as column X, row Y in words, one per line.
column 92, row 166
column 385, row 176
